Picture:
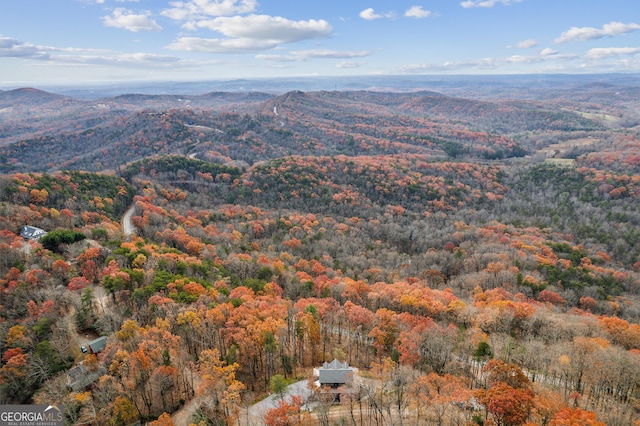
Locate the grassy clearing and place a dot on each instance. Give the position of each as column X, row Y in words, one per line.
column 563, row 162
column 597, row 116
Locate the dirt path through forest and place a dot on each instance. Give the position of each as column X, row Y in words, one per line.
column 127, row 225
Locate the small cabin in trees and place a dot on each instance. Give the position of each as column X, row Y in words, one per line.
column 334, row 374
column 32, row 233
column 81, row 377
column 96, row 345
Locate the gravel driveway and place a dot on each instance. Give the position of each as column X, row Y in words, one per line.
column 258, row 410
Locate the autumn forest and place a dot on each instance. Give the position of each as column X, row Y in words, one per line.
column 474, row 251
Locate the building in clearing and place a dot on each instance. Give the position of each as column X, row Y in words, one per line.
column 31, row 232
column 335, row 374
column 96, row 345
column 80, row 377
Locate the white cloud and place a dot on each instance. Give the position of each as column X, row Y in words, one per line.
column 145, row 58
column 279, row 58
column 525, row 44
column 243, row 33
column 201, row 9
column 605, row 52
column 349, row 64
column 252, row 33
column 304, row 55
column 548, row 52
column 520, row 59
column 546, row 56
column 417, row 12
column 487, row 63
column 56, row 56
column 216, row 45
column 12, row 48
column 487, row 3
column 325, row 53
column 268, row 28
column 121, row 59
column 611, row 29
column 369, row 14
column 128, row 20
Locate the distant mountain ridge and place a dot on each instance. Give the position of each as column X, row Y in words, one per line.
column 30, row 97
column 531, row 86
column 254, row 126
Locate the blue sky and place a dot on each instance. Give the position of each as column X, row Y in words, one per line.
column 90, row 41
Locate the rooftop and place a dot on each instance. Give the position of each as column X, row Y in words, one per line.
column 29, row 232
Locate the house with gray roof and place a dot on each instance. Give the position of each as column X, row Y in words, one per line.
column 80, row 377
column 97, row 345
column 29, row 232
column 335, row 373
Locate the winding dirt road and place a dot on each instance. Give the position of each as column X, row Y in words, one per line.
column 127, row 225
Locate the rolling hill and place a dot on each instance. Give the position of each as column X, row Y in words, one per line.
column 103, row 134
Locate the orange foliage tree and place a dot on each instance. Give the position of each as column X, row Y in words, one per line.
column 286, row 413
column 575, row 417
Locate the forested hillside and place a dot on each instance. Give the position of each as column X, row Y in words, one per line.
column 477, row 260
column 103, row 134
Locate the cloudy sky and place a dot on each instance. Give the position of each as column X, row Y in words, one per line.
column 88, row 41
